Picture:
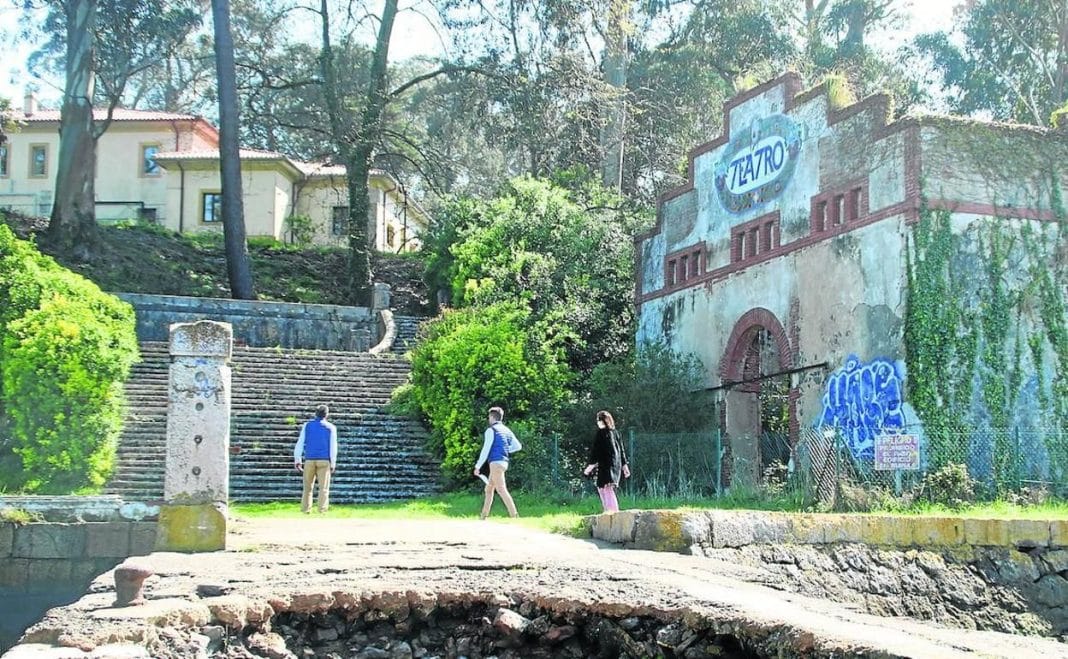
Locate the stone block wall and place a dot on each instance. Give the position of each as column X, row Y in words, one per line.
column 685, row 532
column 261, row 324
column 50, row 560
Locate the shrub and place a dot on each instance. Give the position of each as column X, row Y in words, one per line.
column 472, row 359
column 951, row 486
column 65, row 349
column 301, row 230
column 536, row 245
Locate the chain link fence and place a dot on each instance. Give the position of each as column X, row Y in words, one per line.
column 835, row 469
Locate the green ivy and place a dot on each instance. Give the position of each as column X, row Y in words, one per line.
column 951, row 347
column 995, row 313
column 934, row 346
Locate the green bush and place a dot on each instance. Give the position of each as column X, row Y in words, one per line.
column 566, row 255
column 65, row 349
column 301, row 230
column 475, row 358
column 950, row 486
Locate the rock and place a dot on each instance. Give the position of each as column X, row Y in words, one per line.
column 269, row 645
column 630, row 624
column 214, row 589
column 325, row 635
column 669, row 636
column 1052, row 591
column 372, row 653
column 538, row 626
column 400, row 650
column 510, row 623
column 1056, row 561
column 214, row 632
column 559, row 633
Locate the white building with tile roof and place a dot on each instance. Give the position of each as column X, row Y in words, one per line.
column 164, row 167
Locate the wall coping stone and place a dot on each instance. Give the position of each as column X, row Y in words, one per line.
column 75, row 508
column 682, row 531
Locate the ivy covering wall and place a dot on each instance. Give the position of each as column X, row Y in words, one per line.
column 986, row 343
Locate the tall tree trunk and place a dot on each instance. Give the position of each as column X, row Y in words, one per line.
column 72, row 226
column 615, row 73
column 359, row 163
column 238, row 264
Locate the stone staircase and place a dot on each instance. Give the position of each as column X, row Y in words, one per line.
column 381, row 457
column 407, row 332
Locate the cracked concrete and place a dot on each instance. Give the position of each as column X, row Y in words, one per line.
column 321, row 563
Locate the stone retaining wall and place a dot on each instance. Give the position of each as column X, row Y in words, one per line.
column 683, row 531
column 261, row 324
column 70, row 539
column 51, row 559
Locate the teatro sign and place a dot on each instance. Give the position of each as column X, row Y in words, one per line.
column 757, row 165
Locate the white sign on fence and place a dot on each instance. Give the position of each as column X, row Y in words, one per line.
column 897, row 452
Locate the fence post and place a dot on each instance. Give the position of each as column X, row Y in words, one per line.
column 717, row 457
column 555, row 465
column 1017, row 458
column 837, row 471
column 630, row 459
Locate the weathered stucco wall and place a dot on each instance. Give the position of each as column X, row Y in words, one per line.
column 260, row 324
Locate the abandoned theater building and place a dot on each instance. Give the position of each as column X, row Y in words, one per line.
column 787, row 261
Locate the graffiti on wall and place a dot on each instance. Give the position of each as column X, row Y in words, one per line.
column 863, row 401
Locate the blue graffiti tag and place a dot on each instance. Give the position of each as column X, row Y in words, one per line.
column 864, row 401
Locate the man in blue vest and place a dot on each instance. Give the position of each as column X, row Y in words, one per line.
column 317, row 448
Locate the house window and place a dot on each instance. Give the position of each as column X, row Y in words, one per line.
column 684, row 268
column 38, row 160
column 391, row 233
column 672, row 275
column 211, row 207
column 149, row 166
column 695, row 264
column 339, row 220
column 4, row 158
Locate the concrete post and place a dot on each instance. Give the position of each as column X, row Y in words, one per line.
column 380, row 297
column 196, row 482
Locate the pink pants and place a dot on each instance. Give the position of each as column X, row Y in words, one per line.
column 608, row 498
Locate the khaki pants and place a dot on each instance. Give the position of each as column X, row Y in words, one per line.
column 316, row 470
column 497, row 484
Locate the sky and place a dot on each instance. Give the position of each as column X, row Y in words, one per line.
column 412, row 36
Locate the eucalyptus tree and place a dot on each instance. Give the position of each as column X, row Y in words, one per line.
column 100, row 45
column 238, row 263
column 1006, row 58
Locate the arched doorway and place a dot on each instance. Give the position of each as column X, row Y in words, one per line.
column 760, row 403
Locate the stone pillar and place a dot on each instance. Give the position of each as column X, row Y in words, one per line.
column 380, row 297
column 196, row 482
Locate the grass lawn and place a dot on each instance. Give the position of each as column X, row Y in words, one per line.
column 558, row 514
column 562, row 513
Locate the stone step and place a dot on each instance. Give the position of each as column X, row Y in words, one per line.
column 273, row 393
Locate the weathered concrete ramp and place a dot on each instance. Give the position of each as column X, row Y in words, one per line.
column 342, row 579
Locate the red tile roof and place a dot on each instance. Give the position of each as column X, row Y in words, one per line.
column 120, row 114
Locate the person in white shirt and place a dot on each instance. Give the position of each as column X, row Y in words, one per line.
column 317, row 449
column 497, row 442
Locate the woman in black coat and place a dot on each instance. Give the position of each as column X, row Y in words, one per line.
column 609, row 459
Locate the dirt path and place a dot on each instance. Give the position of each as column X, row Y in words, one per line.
column 318, row 558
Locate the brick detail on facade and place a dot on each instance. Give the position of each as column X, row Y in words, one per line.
column 835, row 209
column 684, row 266
column 755, row 237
